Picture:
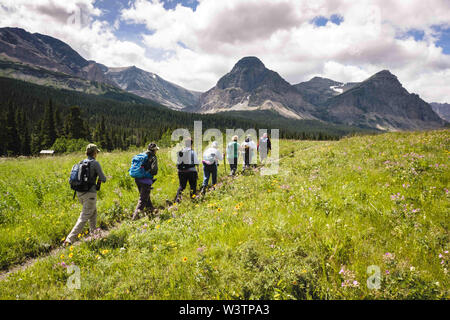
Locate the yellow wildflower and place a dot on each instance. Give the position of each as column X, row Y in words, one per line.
column 62, row 256
column 71, row 255
column 184, row 259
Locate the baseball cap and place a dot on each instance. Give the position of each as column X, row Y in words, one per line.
column 153, row 146
column 92, row 147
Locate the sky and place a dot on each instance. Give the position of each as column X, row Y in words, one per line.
column 195, row 42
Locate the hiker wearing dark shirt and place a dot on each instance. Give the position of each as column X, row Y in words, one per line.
column 145, row 184
column 88, row 199
column 187, row 164
column 264, row 147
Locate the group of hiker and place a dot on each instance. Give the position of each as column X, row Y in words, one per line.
column 86, row 176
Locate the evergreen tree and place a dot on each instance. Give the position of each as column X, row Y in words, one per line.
column 74, row 125
column 59, row 128
column 48, row 127
column 25, row 139
column 12, row 137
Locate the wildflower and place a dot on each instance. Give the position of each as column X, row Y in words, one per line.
column 97, row 257
column 105, row 251
column 61, row 256
column 219, row 210
column 71, row 255
column 157, row 226
column 71, row 248
column 387, row 272
column 79, row 235
column 412, row 269
column 185, row 259
column 201, row 249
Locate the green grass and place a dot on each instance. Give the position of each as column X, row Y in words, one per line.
column 309, row 232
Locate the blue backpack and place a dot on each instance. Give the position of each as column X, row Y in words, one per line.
column 137, row 167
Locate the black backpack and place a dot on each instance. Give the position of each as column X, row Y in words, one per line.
column 80, row 176
column 181, row 157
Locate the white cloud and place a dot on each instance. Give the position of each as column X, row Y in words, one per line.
column 204, row 44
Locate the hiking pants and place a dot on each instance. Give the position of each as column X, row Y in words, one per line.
column 209, row 170
column 144, row 201
column 88, row 213
column 233, row 166
column 184, row 177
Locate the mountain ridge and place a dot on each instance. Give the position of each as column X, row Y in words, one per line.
column 378, row 102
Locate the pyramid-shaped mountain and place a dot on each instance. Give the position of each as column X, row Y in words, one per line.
column 251, row 86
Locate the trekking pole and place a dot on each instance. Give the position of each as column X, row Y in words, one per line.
column 224, row 164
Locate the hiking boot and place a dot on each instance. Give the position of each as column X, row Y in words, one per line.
column 135, row 215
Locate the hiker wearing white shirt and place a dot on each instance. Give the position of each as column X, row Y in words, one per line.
column 211, row 158
column 248, row 150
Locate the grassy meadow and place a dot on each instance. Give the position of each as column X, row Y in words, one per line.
column 309, row 232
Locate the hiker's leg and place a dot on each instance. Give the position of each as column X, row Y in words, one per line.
column 183, row 182
column 141, row 202
column 146, row 188
column 206, row 174
column 93, row 221
column 214, row 174
column 85, row 215
column 193, row 176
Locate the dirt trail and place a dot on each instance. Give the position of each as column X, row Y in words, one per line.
column 104, row 233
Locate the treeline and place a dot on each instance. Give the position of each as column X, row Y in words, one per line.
column 39, row 117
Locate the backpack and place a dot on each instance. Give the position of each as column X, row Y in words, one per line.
column 137, row 166
column 80, row 177
column 181, row 156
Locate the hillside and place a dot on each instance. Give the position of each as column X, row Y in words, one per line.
column 381, row 102
column 151, row 86
column 308, row 232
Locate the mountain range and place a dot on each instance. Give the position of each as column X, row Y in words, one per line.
column 442, row 110
column 379, row 102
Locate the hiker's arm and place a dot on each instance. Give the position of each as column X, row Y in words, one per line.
column 154, row 166
column 98, row 169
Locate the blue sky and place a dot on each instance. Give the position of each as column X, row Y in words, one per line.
column 133, row 32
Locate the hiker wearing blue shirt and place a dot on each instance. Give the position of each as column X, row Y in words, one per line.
column 187, row 164
column 233, row 154
column 88, row 199
column 211, row 158
column 145, row 184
